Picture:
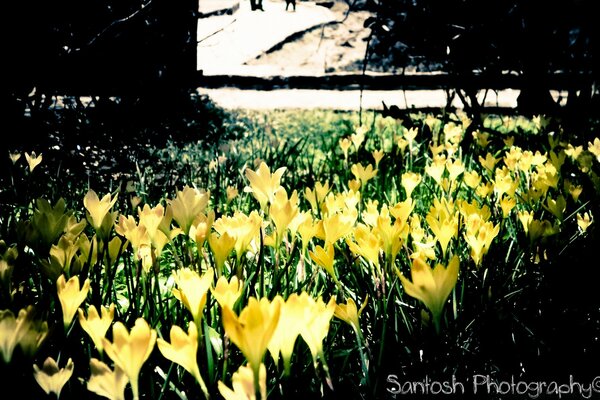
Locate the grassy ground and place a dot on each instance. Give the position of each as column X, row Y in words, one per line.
column 520, row 306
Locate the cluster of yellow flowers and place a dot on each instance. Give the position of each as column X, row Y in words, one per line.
column 470, row 204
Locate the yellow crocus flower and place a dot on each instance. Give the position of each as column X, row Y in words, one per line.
column 507, row 204
column 71, row 295
column 33, row 160
column 573, row 189
column 455, row 169
column 489, row 162
column 61, row 258
column 14, row 157
column 336, row 227
column 183, row 351
column 95, row 325
column 350, row 314
column 192, row 289
column 243, row 228
column 556, row 207
column 410, row 180
column 365, row 244
column 436, row 170
column 221, row 246
column 363, row 174
column 98, row 209
column 288, row 329
column 130, row 350
column 253, row 329
column 594, row 148
column 227, row 293
column 377, row 157
column 358, row 136
column 201, row 227
column 431, row 286
column 187, row 205
column 105, row 382
column 307, row 230
column 324, row 258
column 584, row 221
column 232, row 193
column 472, row 179
column 282, row 212
column 345, row 146
column 479, row 236
column 315, row 329
column 263, row 184
column 12, row 330
column 51, row 378
column 242, row 382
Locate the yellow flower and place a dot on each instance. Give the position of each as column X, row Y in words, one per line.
column 263, row 184
column 316, row 327
column 129, row 351
column 359, row 136
column 12, row 330
column 454, row 168
column 221, row 246
column 345, row 145
column 574, row 190
column 253, row 329
column 98, row 211
column 507, row 204
column 242, row 382
column 436, row 170
column 594, row 148
column 71, row 296
column 525, row 217
column 410, row 180
column 336, row 227
column 282, row 211
column 489, row 162
column 201, row 227
column 61, row 257
column 48, row 222
column 410, row 135
column 350, row 314
column 377, row 156
column 324, row 258
column 96, row 326
column 227, row 293
column 232, row 193
column 139, row 239
column 472, row 179
column 365, row 244
column 363, row 174
column 152, row 219
column 51, row 378
column 33, row 160
column 307, row 230
column 431, row 286
column 192, row 290
column 354, row 185
column 105, row 382
column 573, row 152
column 556, row 207
column 288, row 329
column 479, row 236
column 186, row 206
column 584, row 221
column 14, row 157
column 243, row 228
column 183, row 351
